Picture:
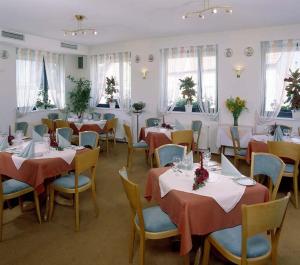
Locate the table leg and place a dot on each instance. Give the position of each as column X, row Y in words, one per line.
column 46, row 213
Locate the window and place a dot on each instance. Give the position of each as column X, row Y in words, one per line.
column 200, row 63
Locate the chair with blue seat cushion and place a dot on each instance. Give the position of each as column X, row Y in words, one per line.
column 290, row 153
column 133, row 146
column 77, row 183
column 40, row 129
column 249, row 242
column 196, row 128
column 165, row 154
column 88, row 139
column 108, row 116
column 273, row 170
column 21, row 126
column 108, row 133
column 239, row 154
column 152, row 122
column 10, row 189
column 53, row 116
column 149, row 223
column 65, row 133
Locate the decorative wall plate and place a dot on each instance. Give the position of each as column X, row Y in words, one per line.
column 248, row 51
column 228, row 52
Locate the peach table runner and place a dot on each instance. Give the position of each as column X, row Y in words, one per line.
column 197, row 214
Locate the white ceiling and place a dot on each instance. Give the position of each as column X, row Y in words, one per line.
column 121, row 20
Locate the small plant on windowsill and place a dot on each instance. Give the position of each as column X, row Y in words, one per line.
column 293, row 92
column 110, row 90
column 188, row 92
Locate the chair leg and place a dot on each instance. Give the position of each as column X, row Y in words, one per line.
column 107, row 143
column 37, row 206
column 21, row 203
column 1, row 219
column 197, row 257
column 95, row 199
column 51, row 203
column 131, row 242
column 295, row 184
column 130, row 159
column 77, row 211
column 142, row 250
column 206, row 252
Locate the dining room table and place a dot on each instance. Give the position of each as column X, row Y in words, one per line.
column 196, row 214
column 87, row 125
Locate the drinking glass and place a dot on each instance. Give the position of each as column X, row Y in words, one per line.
column 176, row 161
column 46, row 140
column 207, row 157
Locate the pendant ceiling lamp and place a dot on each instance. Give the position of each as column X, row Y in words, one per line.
column 80, row 30
column 208, row 10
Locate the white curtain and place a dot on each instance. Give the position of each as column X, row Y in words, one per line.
column 55, row 69
column 29, row 66
column 196, row 61
column 117, row 65
column 277, row 58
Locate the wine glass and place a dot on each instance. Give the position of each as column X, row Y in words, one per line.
column 207, row 157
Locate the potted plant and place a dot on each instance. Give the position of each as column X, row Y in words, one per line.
column 188, row 92
column 293, row 92
column 235, row 106
column 79, row 96
column 138, row 106
column 43, row 101
column 110, row 90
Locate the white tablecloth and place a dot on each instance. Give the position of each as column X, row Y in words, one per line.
column 100, row 123
column 165, row 131
column 266, row 138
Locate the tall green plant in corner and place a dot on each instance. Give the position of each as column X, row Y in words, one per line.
column 80, row 95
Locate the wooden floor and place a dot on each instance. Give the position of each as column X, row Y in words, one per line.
column 104, row 240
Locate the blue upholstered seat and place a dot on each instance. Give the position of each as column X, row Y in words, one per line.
column 21, row 126
column 166, row 153
column 12, row 185
column 242, row 152
column 68, row 181
column 289, row 168
column 231, row 239
column 108, row 116
column 88, row 139
column 41, row 129
column 141, row 144
column 65, row 133
column 156, row 220
column 151, row 122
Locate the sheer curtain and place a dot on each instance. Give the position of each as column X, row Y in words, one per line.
column 277, row 57
column 196, row 61
column 29, row 65
column 55, row 69
column 107, row 65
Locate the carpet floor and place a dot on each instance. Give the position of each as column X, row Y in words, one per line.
column 104, row 240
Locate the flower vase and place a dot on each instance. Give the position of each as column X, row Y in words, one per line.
column 235, row 120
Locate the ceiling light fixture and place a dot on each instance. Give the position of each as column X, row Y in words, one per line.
column 207, row 10
column 80, row 29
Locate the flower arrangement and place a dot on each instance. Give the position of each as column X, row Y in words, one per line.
column 167, row 126
column 201, row 175
column 293, row 89
column 236, row 106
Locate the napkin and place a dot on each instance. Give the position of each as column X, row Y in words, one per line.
column 278, row 135
column 36, row 136
column 189, row 159
column 63, row 142
column 178, row 125
column 28, row 151
column 228, row 169
column 3, row 143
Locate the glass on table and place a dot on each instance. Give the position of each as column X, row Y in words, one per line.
column 46, row 140
column 206, row 157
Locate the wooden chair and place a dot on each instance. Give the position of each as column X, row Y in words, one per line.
column 133, row 146
column 61, row 124
column 151, row 122
column 21, row 126
column 245, row 244
column 239, row 154
column 77, row 183
column 10, row 189
column 164, row 154
column 65, row 132
column 142, row 220
column 183, row 137
column 49, row 123
column 89, row 138
column 289, row 152
column 109, row 132
column 273, row 170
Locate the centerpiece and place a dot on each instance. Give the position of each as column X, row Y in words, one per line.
column 236, row 106
column 110, row 90
column 293, row 92
column 201, row 175
column 187, row 86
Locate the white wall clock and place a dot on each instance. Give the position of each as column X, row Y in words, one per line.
column 228, row 52
column 248, row 51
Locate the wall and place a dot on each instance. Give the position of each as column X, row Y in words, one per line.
column 247, row 86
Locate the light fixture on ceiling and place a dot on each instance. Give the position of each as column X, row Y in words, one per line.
column 80, row 29
column 207, row 10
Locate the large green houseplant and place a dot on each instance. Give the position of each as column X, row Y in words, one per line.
column 79, row 96
column 293, row 92
column 110, row 91
column 188, row 92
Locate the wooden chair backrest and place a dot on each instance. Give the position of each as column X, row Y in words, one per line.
column 169, row 153
column 128, row 134
column 49, row 123
column 86, row 160
column 61, row 123
column 111, row 124
column 263, row 217
column 183, row 137
column 133, row 195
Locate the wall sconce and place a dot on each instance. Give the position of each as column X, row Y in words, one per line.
column 144, row 72
column 238, row 70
